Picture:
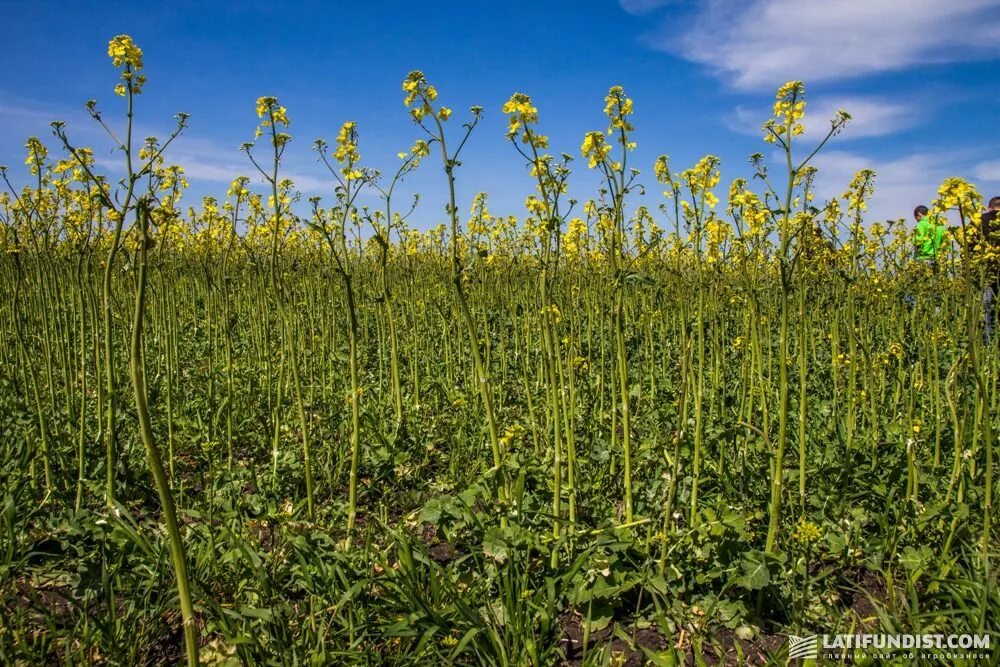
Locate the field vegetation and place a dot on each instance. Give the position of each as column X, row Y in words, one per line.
column 263, row 430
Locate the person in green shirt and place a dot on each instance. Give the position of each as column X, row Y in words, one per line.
column 928, row 237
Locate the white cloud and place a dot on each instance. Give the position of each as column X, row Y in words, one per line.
column 988, row 171
column 900, row 183
column 207, row 162
column 215, row 170
column 870, row 117
column 17, row 111
column 763, row 43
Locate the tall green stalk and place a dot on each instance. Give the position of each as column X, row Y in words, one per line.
column 138, row 375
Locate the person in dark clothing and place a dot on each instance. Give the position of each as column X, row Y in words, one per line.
column 989, row 226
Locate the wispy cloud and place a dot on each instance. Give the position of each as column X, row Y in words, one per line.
column 870, row 117
column 900, row 183
column 206, row 162
column 762, row 43
column 209, row 161
column 10, row 110
column 988, row 171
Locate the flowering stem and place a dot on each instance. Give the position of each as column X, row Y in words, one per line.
column 138, row 373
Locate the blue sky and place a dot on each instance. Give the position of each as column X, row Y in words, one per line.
column 920, row 78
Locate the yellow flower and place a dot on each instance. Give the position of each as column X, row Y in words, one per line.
column 519, row 105
column 595, row 148
column 515, row 432
column 789, row 108
column 534, row 205
column 36, row 154
column 806, row 532
column 415, row 85
column 421, row 148
column 617, row 107
column 661, row 169
column 716, row 233
column 262, row 105
column 859, row 191
column 124, row 52
column 551, row 311
column 575, row 236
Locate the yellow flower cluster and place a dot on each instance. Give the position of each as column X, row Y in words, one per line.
column 419, row 95
column 347, row 151
column 702, row 179
column 551, row 311
column 36, row 155
column 746, row 207
column 716, row 234
column 575, row 238
column 960, row 195
column 534, row 205
column 211, row 232
column 859, row 192
column 522, row 114
column 124, row 53
column 420, row 148
column 479, row 223
column 957, row 194
column 806, row 532
column 276, row 114
column 515, row 432
column 273, row 116
column 789, row 109
column 595, row 148
column 172, row 178
column 618, row 107
column 661, row 169
column 238, row 188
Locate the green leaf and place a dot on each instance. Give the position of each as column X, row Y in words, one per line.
column 754, row 573
column 599, row 616
column 495, row 545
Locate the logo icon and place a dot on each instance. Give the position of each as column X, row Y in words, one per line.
column 803, row 647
